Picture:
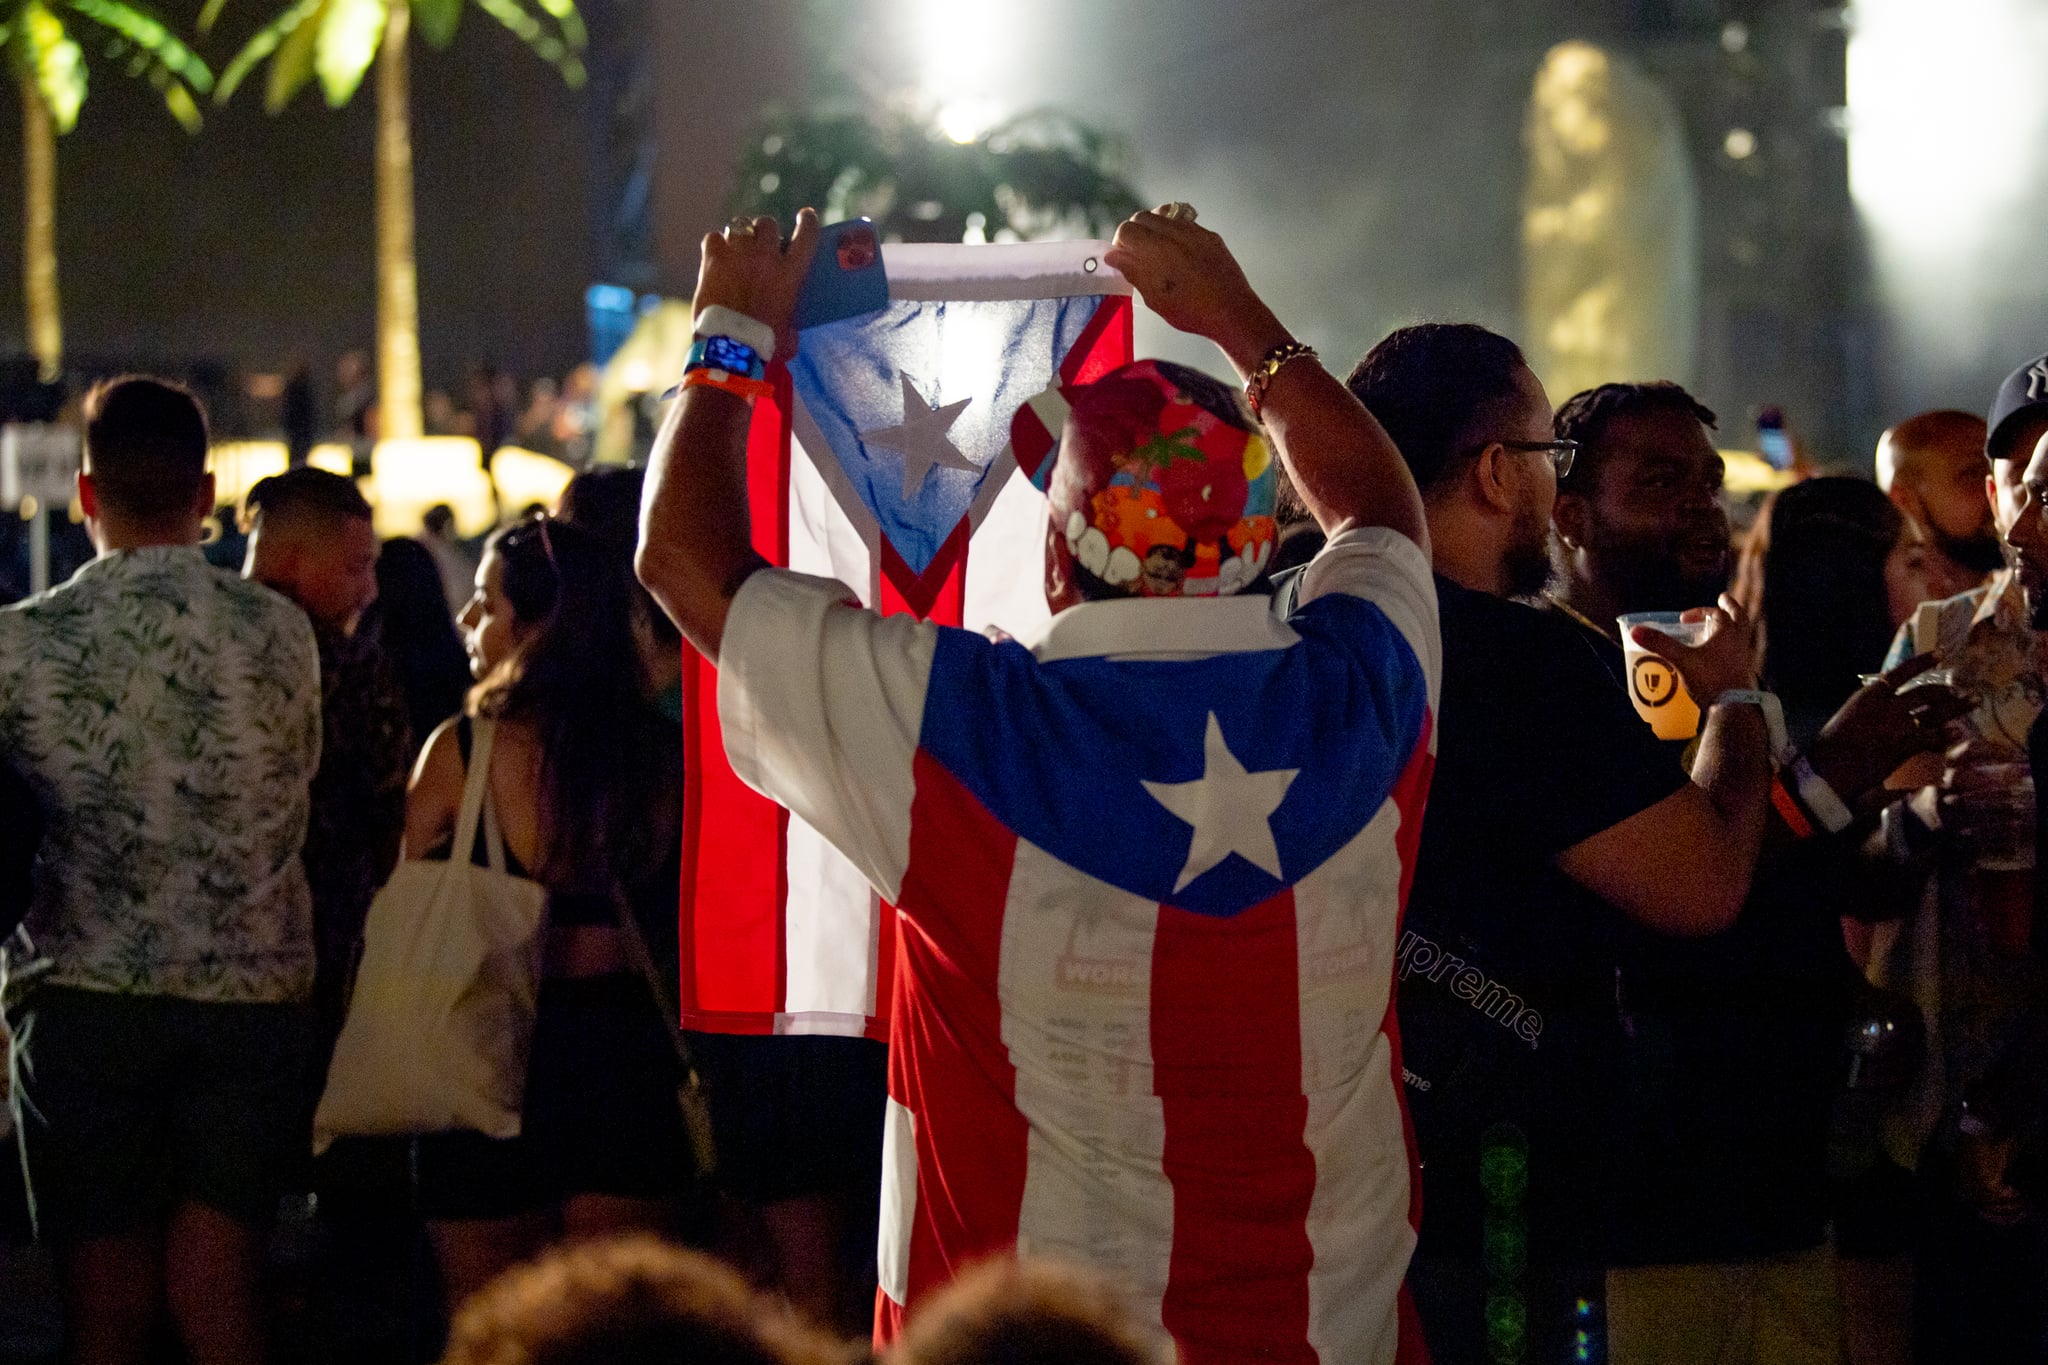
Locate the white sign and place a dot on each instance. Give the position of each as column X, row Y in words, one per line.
column 40, row 461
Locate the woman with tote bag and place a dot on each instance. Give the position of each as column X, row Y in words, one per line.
column 583, row 780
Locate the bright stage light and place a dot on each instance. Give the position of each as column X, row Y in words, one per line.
column 525, row 477
column 333, row 457
column 957, row 45
column 239, row 465
column 963, row 121
column 1946, row 116
column 409, row 476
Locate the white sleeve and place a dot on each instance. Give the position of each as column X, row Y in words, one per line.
column 821, row 702
column 1390, row 571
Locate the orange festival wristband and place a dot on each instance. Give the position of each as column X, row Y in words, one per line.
column 737, row 385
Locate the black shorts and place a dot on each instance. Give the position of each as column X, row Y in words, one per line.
column 794, row 1115
column 146, row 1101
column 600, row 1115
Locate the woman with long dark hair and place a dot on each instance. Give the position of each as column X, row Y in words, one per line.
column 584, row 781
column 411, row 614
column 1830, row 571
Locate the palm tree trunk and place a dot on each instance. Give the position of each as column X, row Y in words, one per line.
column 398, row 295
column 39, row 232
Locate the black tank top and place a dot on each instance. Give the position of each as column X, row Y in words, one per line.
column 565, row 908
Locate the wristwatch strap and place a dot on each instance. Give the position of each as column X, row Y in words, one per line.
column 720, row 321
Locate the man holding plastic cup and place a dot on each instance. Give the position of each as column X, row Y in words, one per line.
column 1720, row 1210
column 1554, row 816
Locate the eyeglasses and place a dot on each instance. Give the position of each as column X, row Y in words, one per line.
column 1561, row 453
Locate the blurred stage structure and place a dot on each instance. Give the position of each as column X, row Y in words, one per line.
column 1687, row 214
column 1684, row 200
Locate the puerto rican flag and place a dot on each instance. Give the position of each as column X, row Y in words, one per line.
column 1149, row 861
column 884, row 461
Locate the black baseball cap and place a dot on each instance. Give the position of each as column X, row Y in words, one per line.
column 2024, row 394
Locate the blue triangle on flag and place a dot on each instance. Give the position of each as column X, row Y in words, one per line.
column 915, row 460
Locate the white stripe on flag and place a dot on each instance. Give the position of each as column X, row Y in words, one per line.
column 1007, row 270
column 1095, row 1191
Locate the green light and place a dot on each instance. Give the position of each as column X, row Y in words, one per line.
column 1506, row 1249
column 1507, row 1327
column 1504, row 1164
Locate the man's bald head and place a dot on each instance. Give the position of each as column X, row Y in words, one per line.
column 1929, row 443
column 1934, row 467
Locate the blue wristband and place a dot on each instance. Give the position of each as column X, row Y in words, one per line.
column 726, row 354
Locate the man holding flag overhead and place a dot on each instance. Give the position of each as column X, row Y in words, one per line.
column 1149, row 863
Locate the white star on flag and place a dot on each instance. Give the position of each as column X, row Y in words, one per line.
column 922, row 438
column 1230, row 809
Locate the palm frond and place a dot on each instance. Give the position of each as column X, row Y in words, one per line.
column 149, row 33
column 437, row 20
column 345, row 46
column 545, row 44
column 210, row 13
column 55, row 62
column 292, row 67
column 262, row 45
column 178, row 99
column 565, row 14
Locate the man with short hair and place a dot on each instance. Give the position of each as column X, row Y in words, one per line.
column 311, row 538
column 1555, row 816
column 1933, row 467
column 1639, row 522
column 1217, row 806
column 1973, row 1128
column 168, row 716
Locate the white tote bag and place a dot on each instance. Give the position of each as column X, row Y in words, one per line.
column 441, row 1016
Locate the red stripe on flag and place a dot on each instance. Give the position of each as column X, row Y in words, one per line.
column 1104, row 344
column 948, row 1064
column 736, row 959
column 934, row 595
column 1226, row 1054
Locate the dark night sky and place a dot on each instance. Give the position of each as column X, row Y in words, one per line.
column 1363, row 156
column 254, row 240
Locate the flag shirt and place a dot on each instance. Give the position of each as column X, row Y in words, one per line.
column 1149, row 872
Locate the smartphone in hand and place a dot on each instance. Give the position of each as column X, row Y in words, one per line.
column 1772, row 439
column 846, row 278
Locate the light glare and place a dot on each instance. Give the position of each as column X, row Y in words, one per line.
column 1944, row 120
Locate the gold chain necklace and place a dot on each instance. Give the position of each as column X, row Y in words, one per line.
column 1569, row 610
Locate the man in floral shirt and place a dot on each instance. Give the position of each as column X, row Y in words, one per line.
column 167, row 715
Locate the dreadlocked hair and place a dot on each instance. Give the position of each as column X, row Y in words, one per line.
column 1585, row 417
column 608, row 757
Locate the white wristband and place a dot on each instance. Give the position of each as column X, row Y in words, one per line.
column 719, row 321
column 1820, row 798
column 1774, row 718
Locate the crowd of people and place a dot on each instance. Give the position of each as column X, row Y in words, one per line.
column 1484, row 1011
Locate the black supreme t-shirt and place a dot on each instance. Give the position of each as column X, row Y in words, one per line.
column 1505, row 966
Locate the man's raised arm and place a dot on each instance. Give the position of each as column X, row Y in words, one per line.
column 695, row 544
column 1346, row 469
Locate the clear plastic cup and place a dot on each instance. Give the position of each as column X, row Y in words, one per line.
column 1654, row 683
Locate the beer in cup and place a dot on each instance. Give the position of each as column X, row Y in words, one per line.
column 1653, row 683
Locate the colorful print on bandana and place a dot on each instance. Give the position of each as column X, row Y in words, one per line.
column 1179, row 484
